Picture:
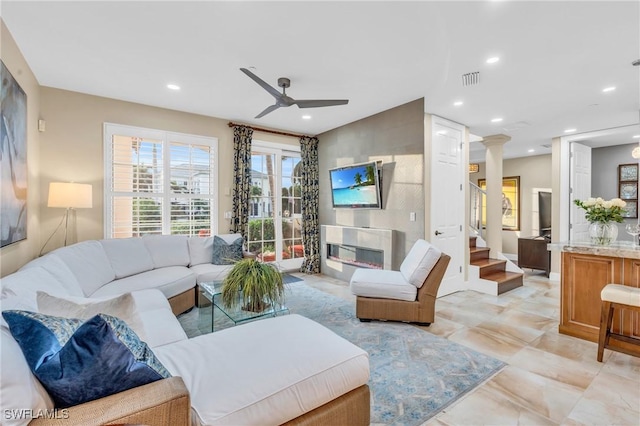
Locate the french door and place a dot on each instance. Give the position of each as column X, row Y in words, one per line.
column 275, row 215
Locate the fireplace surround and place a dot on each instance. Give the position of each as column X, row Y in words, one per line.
column 346, row 248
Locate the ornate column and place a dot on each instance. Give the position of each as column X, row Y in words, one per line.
column 494, row 144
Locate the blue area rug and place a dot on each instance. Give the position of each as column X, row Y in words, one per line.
column 290, row 279
column 414, row 374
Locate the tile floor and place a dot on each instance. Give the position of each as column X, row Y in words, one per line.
column 550, row 378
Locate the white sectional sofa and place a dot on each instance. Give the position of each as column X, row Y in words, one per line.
column 281, row 370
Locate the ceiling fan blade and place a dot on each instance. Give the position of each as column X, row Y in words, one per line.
column 268, row 110
column 315, row 103
column 274, row 92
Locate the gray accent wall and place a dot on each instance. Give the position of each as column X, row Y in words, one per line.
column 604, row 175
column 396, row 137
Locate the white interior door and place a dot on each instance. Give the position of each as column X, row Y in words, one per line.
column 447, row 200
column 580, row 189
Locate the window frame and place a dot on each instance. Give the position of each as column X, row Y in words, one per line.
column 166, row 138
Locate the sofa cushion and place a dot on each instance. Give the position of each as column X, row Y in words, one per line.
column 20, row 389
column 200, row 250
column 210, row 272
column 171, row 281
column 226, row 392
column 89, row 263
column 128, row 256
column 382, row 284
column 56, row 267
column 79, row 361
column 226, row 252
column 419, row 262
column 167, row 250
column 19, row 290
column 122, row 307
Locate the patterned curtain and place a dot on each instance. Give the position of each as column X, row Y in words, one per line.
column 310, row 191
column 242, row 179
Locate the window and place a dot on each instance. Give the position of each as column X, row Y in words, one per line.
column 159, row 183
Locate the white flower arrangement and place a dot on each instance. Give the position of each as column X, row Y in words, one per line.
column 599, row 210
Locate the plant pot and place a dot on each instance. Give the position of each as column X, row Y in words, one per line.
column 603, row 233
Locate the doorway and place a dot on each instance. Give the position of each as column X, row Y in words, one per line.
column 275, row 220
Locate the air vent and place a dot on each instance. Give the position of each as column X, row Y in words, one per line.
column 471, row 78
column 546, row 145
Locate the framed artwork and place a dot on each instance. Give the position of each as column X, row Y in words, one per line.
column 510, row 202
column 13, row 157
column 628, row 190
column 628, row 172
column 631, row 209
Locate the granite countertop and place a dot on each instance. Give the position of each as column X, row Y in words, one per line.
column 624, row 249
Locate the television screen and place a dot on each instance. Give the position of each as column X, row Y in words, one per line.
column 356, row 186
column 544, row 213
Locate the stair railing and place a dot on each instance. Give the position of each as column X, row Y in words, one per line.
column 476, row 199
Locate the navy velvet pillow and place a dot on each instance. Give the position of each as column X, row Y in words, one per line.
column 226, row 254
column 78, row 361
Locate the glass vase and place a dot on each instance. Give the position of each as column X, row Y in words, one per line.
column 603, row 233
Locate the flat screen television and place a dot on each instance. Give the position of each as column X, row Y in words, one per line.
column 357, row 186
column 544, row 213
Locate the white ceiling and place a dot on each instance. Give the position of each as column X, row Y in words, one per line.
column 555, row 59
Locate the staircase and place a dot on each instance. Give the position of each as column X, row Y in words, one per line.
column 493, row 270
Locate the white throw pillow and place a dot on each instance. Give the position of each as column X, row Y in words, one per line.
column 419, row 262
column 123, row 307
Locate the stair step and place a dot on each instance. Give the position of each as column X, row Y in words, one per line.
column 472, row 241
column 488, row 266
column 477, row 253
column 506, row 280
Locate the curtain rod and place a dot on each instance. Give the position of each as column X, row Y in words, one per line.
column 260, row 129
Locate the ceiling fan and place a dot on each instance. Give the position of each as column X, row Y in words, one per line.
column 282, row 100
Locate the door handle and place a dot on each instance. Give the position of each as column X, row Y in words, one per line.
column 439, row 233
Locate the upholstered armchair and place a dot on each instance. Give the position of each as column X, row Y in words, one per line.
column 407, row 295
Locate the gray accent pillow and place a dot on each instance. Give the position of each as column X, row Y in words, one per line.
column 226, row 253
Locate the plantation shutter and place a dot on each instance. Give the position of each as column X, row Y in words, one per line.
column 159, row 183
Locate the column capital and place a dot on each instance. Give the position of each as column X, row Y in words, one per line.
column 495, row 140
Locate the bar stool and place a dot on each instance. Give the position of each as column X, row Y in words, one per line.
column 621, row 297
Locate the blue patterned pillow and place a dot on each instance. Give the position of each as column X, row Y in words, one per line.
column 78, row 361
column 226, row 253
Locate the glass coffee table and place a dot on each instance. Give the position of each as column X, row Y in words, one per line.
column 212, row 291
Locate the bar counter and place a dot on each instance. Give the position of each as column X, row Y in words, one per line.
column 585, row 269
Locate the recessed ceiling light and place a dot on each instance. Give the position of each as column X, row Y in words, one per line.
column 493, row 60
column 173, row 87
column 635, row 136
column 458, row 103
column 306, row 117
column 496, row 120
column 570, row 130
column 608, row 89
column 531, row 150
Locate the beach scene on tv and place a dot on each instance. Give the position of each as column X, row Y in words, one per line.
column 355, row 186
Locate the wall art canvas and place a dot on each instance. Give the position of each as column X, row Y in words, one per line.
column 13, row 159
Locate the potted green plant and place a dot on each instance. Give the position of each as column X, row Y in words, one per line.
column 255, row 284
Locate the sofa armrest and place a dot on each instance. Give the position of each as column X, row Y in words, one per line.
column 161, row 403
column 249, row 255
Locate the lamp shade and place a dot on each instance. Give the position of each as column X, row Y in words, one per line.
column 70, row 195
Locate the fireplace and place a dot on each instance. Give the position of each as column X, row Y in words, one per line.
column 361, row 257
column 346, row 248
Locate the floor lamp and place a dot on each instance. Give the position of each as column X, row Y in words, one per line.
column 68, row 196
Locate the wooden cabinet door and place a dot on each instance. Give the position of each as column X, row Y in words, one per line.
column 583, row 277
column 628, row 322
